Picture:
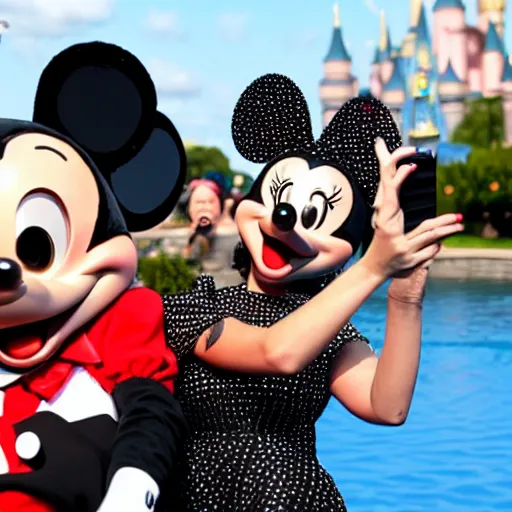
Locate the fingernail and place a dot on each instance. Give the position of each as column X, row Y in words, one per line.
column 459, row 217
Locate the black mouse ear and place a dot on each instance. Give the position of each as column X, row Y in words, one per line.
column 271, row 118
column 100, row 96
column 350, row 140
column 149, row 186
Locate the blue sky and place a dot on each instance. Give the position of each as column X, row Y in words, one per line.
column 201, row 53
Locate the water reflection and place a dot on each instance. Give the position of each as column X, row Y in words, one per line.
column 455, row 450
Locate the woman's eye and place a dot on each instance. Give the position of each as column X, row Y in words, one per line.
column 41, row 232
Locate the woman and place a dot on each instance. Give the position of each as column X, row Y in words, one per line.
column 252, row 395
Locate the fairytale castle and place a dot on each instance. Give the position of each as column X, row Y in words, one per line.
column 427, row 79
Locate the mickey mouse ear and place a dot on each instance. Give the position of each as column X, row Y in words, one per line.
column 102, row 97
column 271, row 118
column 350, row 139
column 149, row 186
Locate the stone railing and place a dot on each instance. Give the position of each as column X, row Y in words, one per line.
column 494, row 264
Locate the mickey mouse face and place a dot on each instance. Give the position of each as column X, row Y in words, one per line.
column 306, row 213
column 318, row 197
column 98, row 162
column 290, row 226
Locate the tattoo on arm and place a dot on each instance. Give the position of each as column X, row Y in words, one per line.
column 214, row 333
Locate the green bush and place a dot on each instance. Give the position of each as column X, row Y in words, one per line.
column 482, row 184
column 166, row 275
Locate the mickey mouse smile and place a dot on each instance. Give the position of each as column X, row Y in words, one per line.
column 24, row 341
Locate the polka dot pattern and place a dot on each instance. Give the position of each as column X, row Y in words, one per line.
column 253, row 445
column 350, row 138
column 272, row 118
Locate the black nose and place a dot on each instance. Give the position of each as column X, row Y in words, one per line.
column 10, row 275
column 284, row 217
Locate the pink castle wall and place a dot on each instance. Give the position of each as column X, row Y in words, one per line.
column 375, row 83
column 507, row 111
column 449, row 41
column 336, row 70
column 386, row 70
column 474, row 41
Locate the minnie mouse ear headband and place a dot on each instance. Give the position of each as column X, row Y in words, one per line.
column 271, row 119
column 102, row 98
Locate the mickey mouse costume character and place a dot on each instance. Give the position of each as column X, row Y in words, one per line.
column 260, row 361
column 86, row 377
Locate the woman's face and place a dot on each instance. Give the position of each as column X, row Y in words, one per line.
column 204, row 206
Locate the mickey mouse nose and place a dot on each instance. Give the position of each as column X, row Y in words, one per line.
column 284, row 217
column 10, row 275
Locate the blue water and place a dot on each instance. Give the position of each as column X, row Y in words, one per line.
column 455, row 451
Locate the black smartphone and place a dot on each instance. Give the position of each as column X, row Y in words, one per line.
column 418, row 197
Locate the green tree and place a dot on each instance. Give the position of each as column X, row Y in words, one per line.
column 201, row 159
column 166, row 275
column 483, row 125
column 483, row 183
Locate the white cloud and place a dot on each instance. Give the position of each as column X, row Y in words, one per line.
column 171, row 80
column 30, row 19
column 370, row 5
column 232, row 27
column 163, row 23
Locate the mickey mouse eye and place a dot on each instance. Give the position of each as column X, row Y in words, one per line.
column 41, row 232
column 315, row 212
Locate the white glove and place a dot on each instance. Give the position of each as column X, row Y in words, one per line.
column 131, row 490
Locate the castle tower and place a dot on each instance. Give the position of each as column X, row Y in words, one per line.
column 409, row 41
column 452, row 94
column 491, row 11
column 338, row 84
column 507, row 101
column 393, row 93
column 493, row 61
column 422, row 108
column 449, row 41
column 385, row 49
column 375, row 81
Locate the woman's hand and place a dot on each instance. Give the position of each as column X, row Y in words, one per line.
column 392, row 251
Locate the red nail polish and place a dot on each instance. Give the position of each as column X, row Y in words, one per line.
column 459, row 217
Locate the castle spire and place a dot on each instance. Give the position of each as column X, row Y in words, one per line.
column 415, row 13
column 337, row 20
column 493, row 41
column 383, row 32
column 337, row 50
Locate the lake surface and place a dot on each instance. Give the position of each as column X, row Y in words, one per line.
column 455, row 451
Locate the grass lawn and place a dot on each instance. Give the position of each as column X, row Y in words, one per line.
column 476, row 242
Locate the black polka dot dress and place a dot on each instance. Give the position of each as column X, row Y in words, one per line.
column 252, row 444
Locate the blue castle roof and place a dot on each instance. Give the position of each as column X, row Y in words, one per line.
column 507, row 71
column 396, row 82
column 376, row 56
column 337, row 51
column 422, row 35
column 448, row 4
column 449, row 75
column 493, row 41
